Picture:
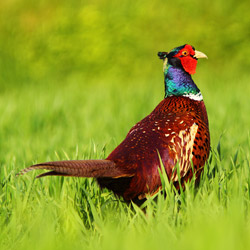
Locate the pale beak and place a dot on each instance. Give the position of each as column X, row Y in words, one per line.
column 199, row 54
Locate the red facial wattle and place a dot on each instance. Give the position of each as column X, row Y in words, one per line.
column 188, row 62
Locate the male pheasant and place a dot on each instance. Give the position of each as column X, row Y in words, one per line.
column 175, row 132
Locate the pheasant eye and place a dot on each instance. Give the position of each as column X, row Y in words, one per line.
column 184, row 53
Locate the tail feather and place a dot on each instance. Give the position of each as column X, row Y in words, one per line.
column 79, row 168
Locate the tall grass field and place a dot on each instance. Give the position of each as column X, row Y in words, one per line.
column 74, row 78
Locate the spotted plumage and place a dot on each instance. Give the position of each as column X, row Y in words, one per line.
column 176, row 132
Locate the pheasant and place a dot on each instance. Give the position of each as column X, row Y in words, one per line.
column 176, row 132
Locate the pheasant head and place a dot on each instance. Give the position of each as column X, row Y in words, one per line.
column 178, row 65
column 183, row 57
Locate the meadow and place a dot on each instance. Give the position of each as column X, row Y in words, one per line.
column 74, row 77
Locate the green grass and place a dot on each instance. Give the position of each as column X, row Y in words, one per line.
column 74, row 77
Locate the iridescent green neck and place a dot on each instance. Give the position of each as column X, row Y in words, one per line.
column 179, row 83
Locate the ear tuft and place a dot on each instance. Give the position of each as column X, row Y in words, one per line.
column 162, row 55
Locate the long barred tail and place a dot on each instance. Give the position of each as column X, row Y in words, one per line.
column 79, row 168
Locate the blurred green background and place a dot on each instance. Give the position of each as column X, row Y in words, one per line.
column 75, row 76
column 57, row 41
column 83, row 63
column 89, row 48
